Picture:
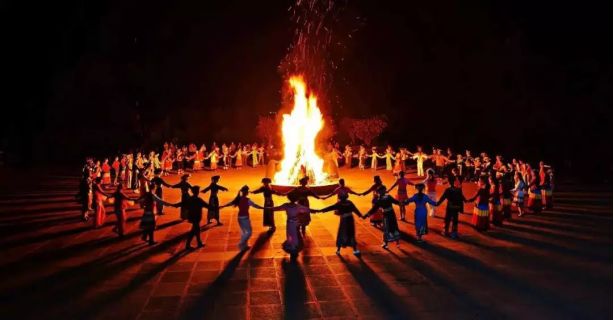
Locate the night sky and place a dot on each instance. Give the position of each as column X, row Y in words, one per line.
column 530, row 79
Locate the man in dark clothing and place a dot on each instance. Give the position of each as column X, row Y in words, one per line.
column 194, row 206
column 455, row 198
column 159, row 182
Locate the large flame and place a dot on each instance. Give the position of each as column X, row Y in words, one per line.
column 299, row 131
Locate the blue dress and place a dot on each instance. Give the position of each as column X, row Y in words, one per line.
column 420, row 213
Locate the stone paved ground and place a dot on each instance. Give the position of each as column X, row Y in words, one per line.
column 53, row 266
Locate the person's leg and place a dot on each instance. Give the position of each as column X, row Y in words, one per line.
column 454, row 225
column 151, row 236
column 402, row 210
column 196, row 232
column 447, row 222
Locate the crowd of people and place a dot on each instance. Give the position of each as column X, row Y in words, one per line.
column 133, row 178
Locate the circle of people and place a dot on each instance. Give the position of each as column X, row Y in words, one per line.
column 501, row 186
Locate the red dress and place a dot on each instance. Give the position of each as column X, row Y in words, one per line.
column 106, row 173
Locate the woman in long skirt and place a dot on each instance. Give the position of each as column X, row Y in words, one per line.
column 377, row 217
column 268, row 219
column 506, row 194
column 346, row 233
column 480, row 212
column 401, row 185
column 535, row 194
column 390, row 226
column 214, row 202
column 99, row 198
column 303, row 192
column 420, row 219
column 294, row 241
column 494, row 208
column 518, row 192
column 121, row 202
column 184, row 186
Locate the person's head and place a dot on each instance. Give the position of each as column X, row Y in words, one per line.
column 420, row 187
column 157, row 172
column 377, row 180
column 303, row 181
column 215, row 179
column 451, row 180
column 292, row 197
column 483, row 182
column 266, row 181
column 195, row 190
column 244, row 190
column 402, row 174
column 185, row 177
column 419, row 148
column 541, row 164
column 342, row 182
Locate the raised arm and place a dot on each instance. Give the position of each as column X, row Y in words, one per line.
column 356, row 211
column 326, row 209
column 396, row 183
column 252, row 204
column 444, row 196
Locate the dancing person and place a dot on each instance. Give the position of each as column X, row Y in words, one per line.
column 494, row 207
column 148, row 219
column 213, row 159
column 420, row 157
column 431, row 189
column 115, row 171
column 480, row 211
column 454, row 195
column 243, row 202
column 376, row 218
column 99, row 198
column 506, row 193
column 268, row 217
column 544, row 185
column 390, row 227
column 303, row 192
column 85, row 195
column 374, row 156
column 389, row 156
column 535, row 194
column 121, row 202
column 362, row 157
column 106, row 172
column 193, row 206
column 185, row 187
column 347, row 155
column 420, row 219
column 401, row 185
column 294, row 241
column 519, row 191
column 214, row 203
column 159, row 182
column 346, row 232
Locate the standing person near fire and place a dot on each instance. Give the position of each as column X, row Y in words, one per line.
column 159, row 182
column 390, row 227
column 398, row 161
column 185, row 187
column 374, row 156
column 294, row 240
column 454, row 195
column 431, row 189
column 362, row 157
column 214, row 202
column 115, row 171
column 346, row 232
column 420, row 157
column 389, row 156
column 213, row 158
column 121, row 202
column 535, row 193
column 401, row 183
column 347, row 155
column 507, row 184
column 495, row 201
column 377, row 217
column 254, row 154
column 85, row 195
column 268, row 217
column 225, row 157
column 480, row 212
column 420, row 219
column 243, row 202
column 544, row 185
column 238, row 156
column 99, row 198
column 519, row 191
column 302, row 193
column 106, row 172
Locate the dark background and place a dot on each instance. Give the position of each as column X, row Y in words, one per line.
column 530, row 79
